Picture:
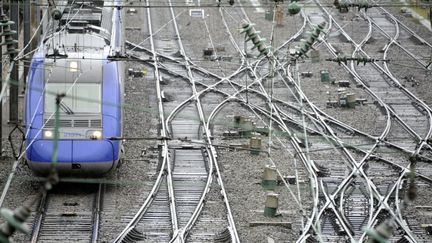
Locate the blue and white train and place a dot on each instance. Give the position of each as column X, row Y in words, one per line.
column 77, row 59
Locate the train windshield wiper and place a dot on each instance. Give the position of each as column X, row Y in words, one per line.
column 66, row 108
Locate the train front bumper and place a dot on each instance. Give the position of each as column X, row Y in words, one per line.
column 74, row 156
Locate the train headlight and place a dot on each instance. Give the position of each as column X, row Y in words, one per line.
column 73, row 67
column 48, row 134
column 96, row 135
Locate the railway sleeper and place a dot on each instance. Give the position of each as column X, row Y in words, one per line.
column 419, row 107
column 223, row 236
column 335, row 223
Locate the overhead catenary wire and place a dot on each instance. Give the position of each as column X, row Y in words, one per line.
column 214, row 5
column 126, row 106
column 270, row 104
column 52, row 175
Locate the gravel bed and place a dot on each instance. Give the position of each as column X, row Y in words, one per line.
column 242, row 173
column 213, row 213
column 410, row 74
column 290, row 24
column 129, row 186
column 23, row 187
column 365, row 117
column 418, row 211
column 212, row 34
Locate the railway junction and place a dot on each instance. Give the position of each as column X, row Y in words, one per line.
column 243, row 121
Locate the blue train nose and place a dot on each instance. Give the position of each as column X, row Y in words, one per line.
column 79, row 151
column 42, row 150
column 93, row 151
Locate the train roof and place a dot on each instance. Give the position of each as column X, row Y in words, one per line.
column 75, row 68
column 76, row 43
column 84, row 17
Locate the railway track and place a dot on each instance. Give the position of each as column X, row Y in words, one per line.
column 68, row 213
column 187, row 172
column 359, row 226
column 352, row 194
column 393, row 189
column 355, row 196
column 179, row 72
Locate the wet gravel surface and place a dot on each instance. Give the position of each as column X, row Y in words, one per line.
column 134, row 179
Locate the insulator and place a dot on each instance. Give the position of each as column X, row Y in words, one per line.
column 262, row 47
column 321, row 26
column 247, row 28
column 14, row 221
column 430, row 15
column 309, row 42
column 412, row 191
column 231, row 2
column 304, row 49
column 363, row 4
column 267, row 50
column 55, row 13
column 342, row 60
column 259, row 45
column 314, row 35
column 360, row 59
column 307, row 45
column 294, row 8
column 254, row 37
column 8, row 36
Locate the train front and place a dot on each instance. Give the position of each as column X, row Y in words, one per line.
column 90, row 113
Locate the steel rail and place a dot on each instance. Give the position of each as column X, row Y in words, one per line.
column 404, row 124
column 212, row 154
column 322, row 113
column 407, row 92
column 302, row 157
column 388, row 110
column 395, row 164
column 423, row 64
column 390, row 210
column 369, row 184
column 200, row 204
column 241, row 91
column 407, row 28
column 351, row 159
column 96, row 214
column 38, row 220
column 145, row 206
column 375, row 157
column 388, row 124
column 358, row 78
column 283, row 126
column 309, row 114
column 397, row 185
column 43, row 209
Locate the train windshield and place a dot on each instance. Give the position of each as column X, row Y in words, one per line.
column 80, row 97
